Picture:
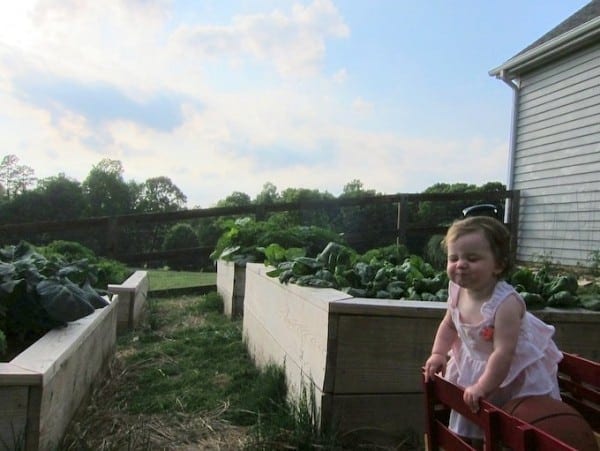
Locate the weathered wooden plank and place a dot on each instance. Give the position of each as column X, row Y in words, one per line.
column 379, row 354
column 13, row 415
column 133, row 293
column 383, row 418
column 297, row 319
column 231, row 282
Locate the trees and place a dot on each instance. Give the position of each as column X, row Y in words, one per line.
column 158, row 194
column 105, row 191
column 268, row 195
column 444, row 213
column 235, row 199
column 63, row 198
column 368, row 226
column 318, row 218
column 15, row 178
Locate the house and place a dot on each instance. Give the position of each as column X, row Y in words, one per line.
column 555, row 141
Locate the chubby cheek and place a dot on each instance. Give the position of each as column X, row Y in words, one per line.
column 451, row 269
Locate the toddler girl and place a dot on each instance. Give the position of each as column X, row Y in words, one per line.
column 498, row 350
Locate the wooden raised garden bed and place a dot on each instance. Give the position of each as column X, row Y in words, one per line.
column 133, row 294
column 363, row 357
column 41, row 388
column 231, row 281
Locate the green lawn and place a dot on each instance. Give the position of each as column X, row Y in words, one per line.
column 160, row 279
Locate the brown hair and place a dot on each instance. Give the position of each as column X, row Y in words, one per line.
column 494, row 232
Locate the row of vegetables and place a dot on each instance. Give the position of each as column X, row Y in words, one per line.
column 374, row 276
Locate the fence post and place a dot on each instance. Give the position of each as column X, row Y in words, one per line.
column 402, row 221
column 260, row 213
column 112, row 236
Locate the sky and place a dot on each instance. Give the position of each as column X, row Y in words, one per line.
column 223, row 96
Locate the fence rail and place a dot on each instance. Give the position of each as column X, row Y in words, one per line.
column 108, row 230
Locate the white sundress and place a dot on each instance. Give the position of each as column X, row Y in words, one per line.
column 533, row 370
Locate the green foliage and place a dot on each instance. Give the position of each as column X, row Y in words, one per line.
column 158, row 194
column 69, row 250
column 394, row 253
column 213, row 302
column 369, row 275
column 105, row 190
column 379, row 273
column 245, row 240
column 443, row 213
column 434, row 252
column 106, row 270
column 542, row 288
column 39, row 293
column 180, row 236
column 109, row 271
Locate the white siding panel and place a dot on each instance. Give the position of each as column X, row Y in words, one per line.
column 561, row 151
column 564, row 118
column 566, row 70
column 557, row 160
column 568, row 67
column 586, row 79
column 561, row 179
column 577, row 130
column 559, row 109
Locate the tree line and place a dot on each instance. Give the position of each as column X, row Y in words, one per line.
column 105, row 192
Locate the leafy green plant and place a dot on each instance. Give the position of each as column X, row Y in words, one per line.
column 434, row 252
column 369, row 275
column 38, row 293
column 545, row 288
column 379, row 273
column 106, row 270
column 245, row 240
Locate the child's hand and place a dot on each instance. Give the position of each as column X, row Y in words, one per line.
column 471, row 397
column 434, row 364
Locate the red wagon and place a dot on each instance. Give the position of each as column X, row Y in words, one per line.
column 579, row 380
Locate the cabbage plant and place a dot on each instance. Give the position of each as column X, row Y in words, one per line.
column 38, row 293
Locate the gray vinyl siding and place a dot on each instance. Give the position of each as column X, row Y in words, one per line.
column 557, row 160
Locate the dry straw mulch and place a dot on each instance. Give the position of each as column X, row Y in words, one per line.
column 102, row 424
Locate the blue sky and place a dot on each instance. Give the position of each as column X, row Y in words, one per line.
column 223, row 96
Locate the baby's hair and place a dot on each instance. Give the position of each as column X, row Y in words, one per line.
column 494, row 232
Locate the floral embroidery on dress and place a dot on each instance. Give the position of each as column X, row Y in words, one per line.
column 487, row 333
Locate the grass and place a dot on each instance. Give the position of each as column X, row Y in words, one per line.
column 162, row 279
column 184, row 380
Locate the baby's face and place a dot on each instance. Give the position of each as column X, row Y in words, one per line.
column 471, row 262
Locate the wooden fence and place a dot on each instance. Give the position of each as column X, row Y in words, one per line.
column 110, row 233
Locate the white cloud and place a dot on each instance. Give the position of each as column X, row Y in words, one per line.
column 293, row 42
column 361, row 106
column 340, row 76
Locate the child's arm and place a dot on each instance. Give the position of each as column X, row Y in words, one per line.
column 444, row 337
column 507, row 325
